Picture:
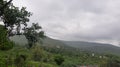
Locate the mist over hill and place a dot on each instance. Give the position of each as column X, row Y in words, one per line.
column 82, row 45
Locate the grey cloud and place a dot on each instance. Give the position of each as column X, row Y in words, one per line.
column 89, row 20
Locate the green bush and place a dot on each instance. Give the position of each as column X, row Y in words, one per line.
column 59, row 59
column 20, row 60
column 38, row 54
column 2, row 62
column 5, row 43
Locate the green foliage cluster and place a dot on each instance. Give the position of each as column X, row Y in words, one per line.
column 112, row 61
column 82, row 58
column 5, row 43
column 33, row 34
column 38, row 54
column 20, row 60
column 59, row 59
column 22, row 57
column 13, row 17
column 3, row 5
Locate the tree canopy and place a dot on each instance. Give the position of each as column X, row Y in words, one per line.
column 33, row 34
column 3, row 5
column 13, row 17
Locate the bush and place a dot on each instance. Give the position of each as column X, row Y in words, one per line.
column 5, row 43
column 59, row 59
column 38, row 54
column 112, row 61
column 20, row 60
column 2, row 62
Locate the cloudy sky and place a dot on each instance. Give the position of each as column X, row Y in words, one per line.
column 87, row 20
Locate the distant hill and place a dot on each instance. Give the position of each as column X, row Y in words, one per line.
column 84, row 46
column 21, row 40
column 94, row 47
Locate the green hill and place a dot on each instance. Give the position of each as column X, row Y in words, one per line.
column 94, row 47
column 69, row 50
column 70, row 45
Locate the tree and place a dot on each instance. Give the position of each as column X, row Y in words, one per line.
column 33, row 34
column 13, row 17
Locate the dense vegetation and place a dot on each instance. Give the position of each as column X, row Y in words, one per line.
column 5, row 43
column 94, row 47
column 40, row 56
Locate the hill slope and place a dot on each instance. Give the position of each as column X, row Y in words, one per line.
column 94, row 47
column 86, row 46
column 21, row 40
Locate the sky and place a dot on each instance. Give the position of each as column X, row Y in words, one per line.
column 77, row 20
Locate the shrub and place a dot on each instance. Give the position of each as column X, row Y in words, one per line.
column 5, row 43
column 20, row 60
column 38, row 54
column 59, row 59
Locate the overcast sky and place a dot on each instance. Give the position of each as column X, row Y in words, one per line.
column 87, row 20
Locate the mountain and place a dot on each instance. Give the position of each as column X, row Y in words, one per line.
column 49, row 42
column 70, row 45
column 94, row 47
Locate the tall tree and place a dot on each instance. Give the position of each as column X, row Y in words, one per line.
column 13, row 17
column 33, row 34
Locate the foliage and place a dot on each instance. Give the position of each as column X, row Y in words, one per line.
column 33, row 34
column 40, row 64
column 13, row 17
column 20, row 60
column 70, row 60
column 5, row 43
column 59, row 59
column 112, row 61
column 3, row 5
column 38, row 54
